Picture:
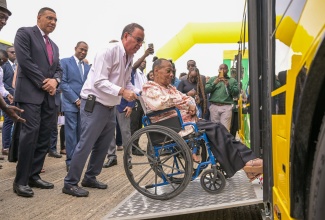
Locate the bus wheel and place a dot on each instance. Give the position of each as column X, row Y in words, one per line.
column 316, row 202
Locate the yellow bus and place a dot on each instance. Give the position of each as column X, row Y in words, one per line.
column 4, row 44
column 287, row 94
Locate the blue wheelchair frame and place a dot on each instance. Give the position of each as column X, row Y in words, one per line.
column 190, row 139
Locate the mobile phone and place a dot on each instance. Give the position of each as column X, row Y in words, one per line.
column 90, row 103
column 221, row 75
column 150, row 46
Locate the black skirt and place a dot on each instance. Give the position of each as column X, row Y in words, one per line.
column 232, row 155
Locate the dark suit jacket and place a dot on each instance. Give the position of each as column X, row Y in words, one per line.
column 34, row 66
column 71, row 83
column 8, row 75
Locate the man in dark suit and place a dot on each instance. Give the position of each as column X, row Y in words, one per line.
column 74, row 74
column 8, row 74
column 38, row 76
column 9, row 110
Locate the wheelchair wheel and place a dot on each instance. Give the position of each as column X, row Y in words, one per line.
column 166, row 157
column 213, row 181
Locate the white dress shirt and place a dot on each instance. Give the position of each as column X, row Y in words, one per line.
column 3, row 91
column 139, row 79
column 109, row 73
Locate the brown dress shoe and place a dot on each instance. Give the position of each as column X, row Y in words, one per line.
column 63, row 151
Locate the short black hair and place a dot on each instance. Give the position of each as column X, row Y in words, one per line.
column 81, row 42
column 42, row 10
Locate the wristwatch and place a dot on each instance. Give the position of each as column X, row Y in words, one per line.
column 58, row 80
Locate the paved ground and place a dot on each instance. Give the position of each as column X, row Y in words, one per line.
column 53, row 204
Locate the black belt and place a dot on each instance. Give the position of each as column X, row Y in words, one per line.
column 107, row 106
column 219, row 104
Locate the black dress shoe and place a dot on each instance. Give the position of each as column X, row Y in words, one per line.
column 137, row 152
column 110, row 162
column 21, row 190
column 41, row 184
column 5, row 151
column 54, row 154
column 93, row 184
column 74, row 191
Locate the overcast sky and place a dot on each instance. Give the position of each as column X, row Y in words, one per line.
column 99, row 21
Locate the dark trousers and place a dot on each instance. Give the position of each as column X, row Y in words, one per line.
column 34, row 140
column 54, row 133
column 231, row 154
column 136, row 118
column 118, row 136
column 234, row 123
column 6, row 129
column 62, row 138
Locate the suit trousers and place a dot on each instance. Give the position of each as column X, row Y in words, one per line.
column 54, row 133
column 72, row 131
column 124, row 123
column 97, row 130
column 6, row 129
column 34, row 139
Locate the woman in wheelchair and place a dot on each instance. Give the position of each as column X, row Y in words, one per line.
column 232, row 155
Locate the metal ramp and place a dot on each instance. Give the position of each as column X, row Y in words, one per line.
column 237, row 192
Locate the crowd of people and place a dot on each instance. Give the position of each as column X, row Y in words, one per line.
column 100, row 105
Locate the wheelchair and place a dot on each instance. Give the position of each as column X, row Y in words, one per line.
column 166, row 166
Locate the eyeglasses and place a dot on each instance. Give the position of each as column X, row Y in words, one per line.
column 138, row 39
column 3, row 17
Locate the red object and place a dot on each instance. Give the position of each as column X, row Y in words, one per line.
column 49, row 49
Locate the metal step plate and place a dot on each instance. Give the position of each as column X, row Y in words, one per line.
column 237, row 192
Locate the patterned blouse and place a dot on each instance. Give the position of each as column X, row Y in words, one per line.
column 157, row 97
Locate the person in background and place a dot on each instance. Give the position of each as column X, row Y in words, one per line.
column 7, row 109
column 182, row 74
column 222, row 90
column 175, row 80
column 74, row 75
column 107, row 81
column 138, row 79
column 194, row 86
column 150, row 76
column 39, row 75
column 52, row 152
column 8, row 74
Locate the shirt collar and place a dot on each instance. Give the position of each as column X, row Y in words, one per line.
column 77, row 60
column 42, row 32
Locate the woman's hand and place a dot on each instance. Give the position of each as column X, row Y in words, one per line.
column 192, row 110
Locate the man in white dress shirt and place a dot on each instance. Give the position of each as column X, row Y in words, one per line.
column 108, row 81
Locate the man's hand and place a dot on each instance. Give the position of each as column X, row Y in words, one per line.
column 10, row 98
column 149, row 51
column 226, row 82
column 128, row 111
column 50, row 85
column 129, row 95
column 78, row 102
column 11, row 110
column 217, row 80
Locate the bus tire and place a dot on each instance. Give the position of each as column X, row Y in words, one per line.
column 316, row 199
